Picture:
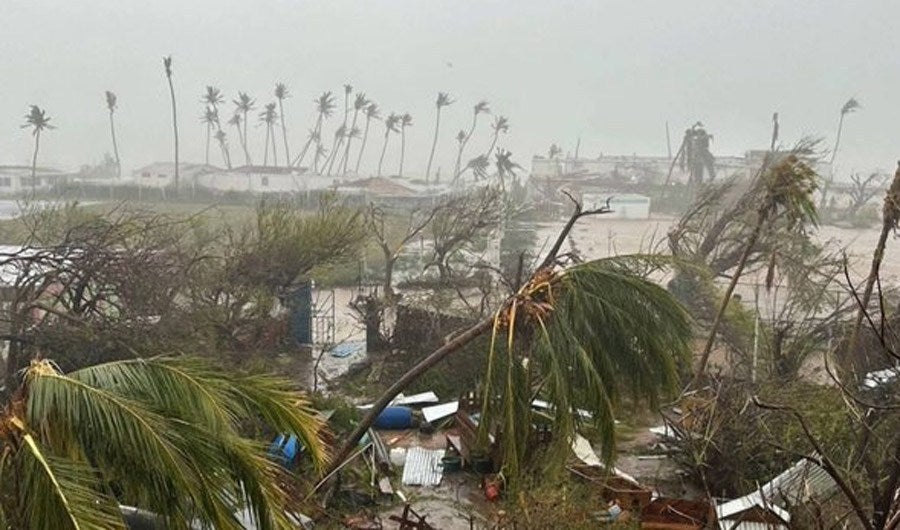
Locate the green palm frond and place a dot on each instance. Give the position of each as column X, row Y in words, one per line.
column 581, row 339
column 164, row 433
column 60, row 493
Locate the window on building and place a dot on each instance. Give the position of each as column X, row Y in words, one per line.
column 265, row 181
column 5, row 182
column 146, row 174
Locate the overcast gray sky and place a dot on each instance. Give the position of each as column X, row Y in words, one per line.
column 610, row 72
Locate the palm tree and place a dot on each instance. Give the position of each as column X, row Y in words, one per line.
column 339, row 140
column 167, row 64
column 554, row 151
column 320, row 152
column 268, row 117
column 165, row 432
column 339, row 134
column 244, row 104
column 480, row 108
column 786, row 191
column 236, row 120
column 405, row 121
column 390, row 125
column 212, row 98
column 372, row 113
column 500, row 125
column 324, row 109
column 850, row 106
column 38, row 121
column 210, row 118
column 281, row 94
column 111, row 105
column 223, row 146
column 443, row 100
column 359, row 104
column 576, row 337
column 890, row 222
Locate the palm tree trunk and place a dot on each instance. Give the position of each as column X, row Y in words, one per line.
column 266, row 152
column 112, row 132
column 383, row 151
column 287, row 152
column 493, row 145
column 402, row 150
column 332, row 156
column 274, row 143
column 317, row 130
column 889, row 221
column 362, row 147
column 710, row 341
column 423, row 366
column 346, row 158
column 462, row 145
column 208, row 133
column 837, row 140
column 37, row 146
column 174, row 129
column 437, row 128
column 246, row 140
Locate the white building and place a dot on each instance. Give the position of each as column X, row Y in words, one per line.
column 17, row 179
column 623, row 205
column 162, row 174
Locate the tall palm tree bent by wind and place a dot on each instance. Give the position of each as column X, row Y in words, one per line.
column 359, row 104
column 500, row 125
column 372, row 113
column 167, row 64
column 111, row 105
column 339, row 139
column 281, row 94
column 480, row 108
column 443, row 100
column 324, row 109
column 213, row 98
column 268, row 117
column 38, row 121
column 390, row 125
column 405, row 121
column 244, row 104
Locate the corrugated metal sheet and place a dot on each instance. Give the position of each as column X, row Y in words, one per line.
column 799, row 483
column 749, row 525
column 423, row 467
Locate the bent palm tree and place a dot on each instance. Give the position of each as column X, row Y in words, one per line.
column 167, row 65
column 359, row 104
column 213, row 98
column 268, row 117
column 281, row 94
column 339, row 140
column 223, row 146
column 372, row 113
column 500, row 125
column 236, row 120
column 111, row 105
column 405, row 121
column 443, row 100
column 38, row 121
column 786, row 190
column 324, row 109
column 210, row 118
column 390, row 125
column 164, row 433
column 576, row 337
column 480, row 108
column 244, row 104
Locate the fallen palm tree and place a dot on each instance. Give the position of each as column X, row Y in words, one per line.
column 577, row 334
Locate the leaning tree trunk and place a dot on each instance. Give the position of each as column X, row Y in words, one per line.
column 274, row 143
column 890, row 217
column 362, row 147
column 462, row 146
column 437, row 128
column 266, row 152
column 287, row 153
column 402, row 150
column 383, row 151
column 37, row 146
column 711, row 340
column 112, row 132
column 174, row 129
column 208, row 135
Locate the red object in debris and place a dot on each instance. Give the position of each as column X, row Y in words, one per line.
column 492, row 491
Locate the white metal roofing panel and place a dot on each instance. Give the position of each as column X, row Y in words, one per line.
column 423, row 467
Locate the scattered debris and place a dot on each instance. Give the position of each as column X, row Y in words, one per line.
column 422, row 467
column 410, row 520
column 438, row 412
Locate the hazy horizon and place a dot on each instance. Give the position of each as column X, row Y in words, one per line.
column 612, row 75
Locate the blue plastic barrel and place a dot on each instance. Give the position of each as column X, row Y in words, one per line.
column 394, row 418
